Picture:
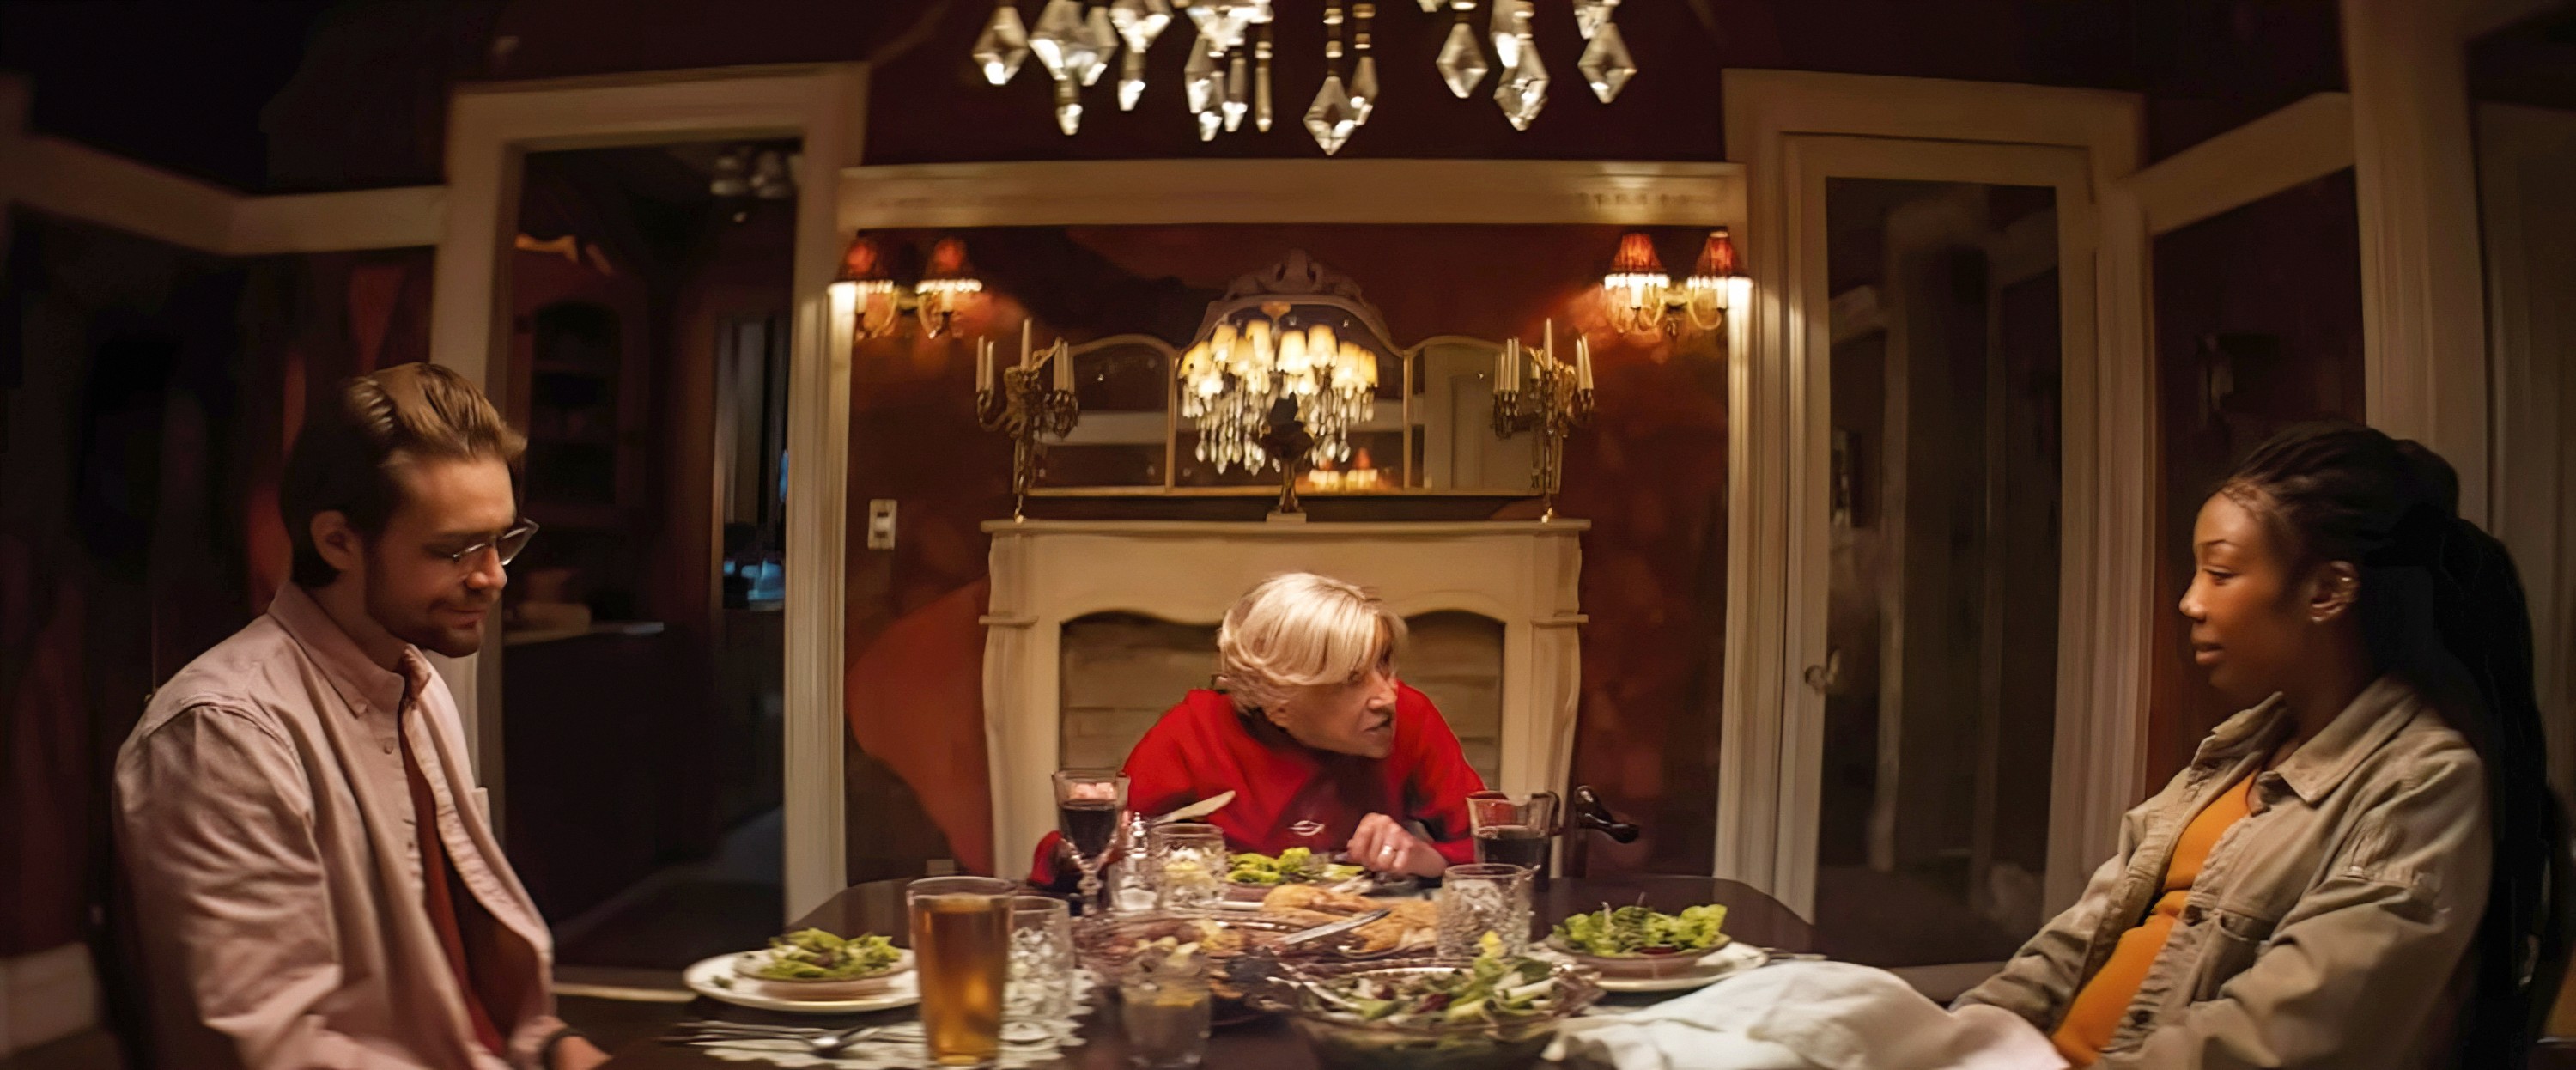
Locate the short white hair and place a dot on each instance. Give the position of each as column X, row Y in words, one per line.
column 1298, row 629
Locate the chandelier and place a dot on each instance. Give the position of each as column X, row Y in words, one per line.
column 1075, row 42
column 1642, row 299
column 1284, row 367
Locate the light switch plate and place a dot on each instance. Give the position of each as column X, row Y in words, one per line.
column 880, row 523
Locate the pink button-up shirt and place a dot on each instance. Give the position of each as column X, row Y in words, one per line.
column 266, row 819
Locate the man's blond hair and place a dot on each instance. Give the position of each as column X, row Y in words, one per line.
column 1298, row 629
column 355, row 437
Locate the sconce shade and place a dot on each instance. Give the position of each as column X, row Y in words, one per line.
column 1636, row 256
column 863, row 265
column 948, row 269
column 1716, row 258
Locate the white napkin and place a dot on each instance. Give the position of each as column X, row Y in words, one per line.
column 1808, row 1016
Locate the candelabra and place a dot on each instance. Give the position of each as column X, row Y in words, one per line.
column 1035, row 401
column 1534, row 391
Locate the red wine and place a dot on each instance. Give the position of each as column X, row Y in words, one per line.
column 1519, row 845
column 1088, row 824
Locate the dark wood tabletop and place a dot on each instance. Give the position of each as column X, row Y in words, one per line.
column 1267, row 1044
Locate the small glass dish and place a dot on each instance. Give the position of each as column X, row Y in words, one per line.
column 1342, row 1041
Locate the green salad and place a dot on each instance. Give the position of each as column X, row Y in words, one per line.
column 1296, row 865
column 815, row 955
column 1638, row 930
column 1491, row 988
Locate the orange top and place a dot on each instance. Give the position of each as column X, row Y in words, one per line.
column 2094, row 1014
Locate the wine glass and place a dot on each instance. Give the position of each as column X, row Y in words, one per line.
column 1087, row 805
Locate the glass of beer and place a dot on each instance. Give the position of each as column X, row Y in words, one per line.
column 961, row 946
column 1519, row 832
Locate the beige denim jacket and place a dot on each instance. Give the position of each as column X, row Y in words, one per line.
column 2329, row 928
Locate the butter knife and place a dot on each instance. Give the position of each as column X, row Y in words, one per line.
column 1329, row 929
column 1196, row 810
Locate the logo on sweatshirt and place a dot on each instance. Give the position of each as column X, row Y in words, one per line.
column 1307, row 829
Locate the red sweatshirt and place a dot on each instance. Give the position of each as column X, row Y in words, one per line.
column 1289, row 795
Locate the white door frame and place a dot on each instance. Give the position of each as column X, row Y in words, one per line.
column 491, row 128
column 1790, row 129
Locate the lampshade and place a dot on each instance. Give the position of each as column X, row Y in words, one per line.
column 1716, row 260
column 948, row 270
column 1636, row 256
column 863, row 266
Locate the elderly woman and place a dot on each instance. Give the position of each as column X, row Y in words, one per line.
column 1322, row 746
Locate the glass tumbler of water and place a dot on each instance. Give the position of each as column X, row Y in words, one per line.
column 1189, row 863
column 1042, row 960
column 1166, row 1012
column 1481, row 898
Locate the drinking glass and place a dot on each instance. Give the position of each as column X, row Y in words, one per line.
column 1041, row 958
column 1520, row 832
column 1480, row 898
column 1087, row 804
column 961, row 939
column 1189, row 862
column 1165, row 1008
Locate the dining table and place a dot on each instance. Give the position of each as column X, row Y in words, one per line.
column 1267, row 1043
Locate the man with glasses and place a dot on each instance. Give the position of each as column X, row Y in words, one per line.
column 315, row 883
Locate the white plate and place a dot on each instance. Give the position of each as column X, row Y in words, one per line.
column 1713, row 967
column 703, row 978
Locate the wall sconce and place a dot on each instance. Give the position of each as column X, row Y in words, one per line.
column 1642, row 299
column 866, row 289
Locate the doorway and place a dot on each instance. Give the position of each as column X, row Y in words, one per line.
column 649, row 288
column 1941, row 612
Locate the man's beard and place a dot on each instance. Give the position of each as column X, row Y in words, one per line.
column 412, row 625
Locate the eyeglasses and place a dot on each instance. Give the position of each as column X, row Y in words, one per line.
column 507, row 545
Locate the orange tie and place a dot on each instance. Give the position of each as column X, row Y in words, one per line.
column 440, row 898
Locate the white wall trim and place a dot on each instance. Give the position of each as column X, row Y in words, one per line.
column 2300, row 143
column 1133, row 192
column 2424, row 355
column 46, row 996
column 490, row 129
column 1775, row 626
column 70, row 179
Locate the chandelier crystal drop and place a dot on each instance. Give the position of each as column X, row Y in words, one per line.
column 1331, row 118
column 1062, row 41
column 1139, row 22
column 1104, row 43
column 1523, row 89
column 1462, row 61
column 1606, row 65
column 1003, row 46
column 1591, row 15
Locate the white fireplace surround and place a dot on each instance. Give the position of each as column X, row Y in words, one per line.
column 1045, row 573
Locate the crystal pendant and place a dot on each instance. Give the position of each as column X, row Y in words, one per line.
column 1432, row 7
column 1210, row 121
column 1004, row 44
column 1591, row 15
column 1199, row 79
column 1222, row 22
column 1238, row 89
column 1606, row 63
column 1139, row 22
column 1261, row 95
column 1330, row 118
column 1364, row 90
column 1510, row 31
column 1104, row 43
column 1062, row 42
column 1131, row 79
column 1522, row 90
column 1068, row 107
column 1462, row 61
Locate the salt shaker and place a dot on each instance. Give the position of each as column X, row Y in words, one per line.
column 1131, row 885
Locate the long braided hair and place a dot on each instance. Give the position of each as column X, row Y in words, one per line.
column 2442, row 607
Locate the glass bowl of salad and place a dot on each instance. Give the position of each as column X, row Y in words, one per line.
column 811, row 964
column 1636, row 942
column 1493, row 1012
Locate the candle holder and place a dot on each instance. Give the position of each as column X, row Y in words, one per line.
column 1534, row 391
column 1035, row 401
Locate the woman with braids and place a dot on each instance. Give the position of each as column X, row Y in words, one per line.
column 2349, row 873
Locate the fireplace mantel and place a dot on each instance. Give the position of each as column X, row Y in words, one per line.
column 1044, row 573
